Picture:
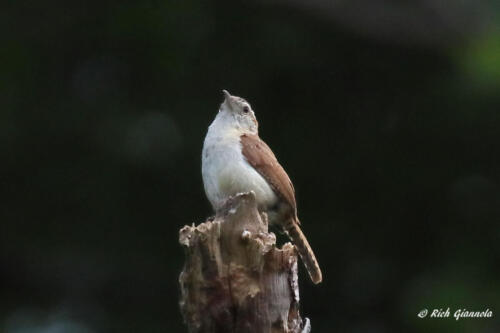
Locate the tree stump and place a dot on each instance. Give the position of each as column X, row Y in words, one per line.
column 235, row 279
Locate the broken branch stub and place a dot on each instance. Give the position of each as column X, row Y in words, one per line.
column 235, row 279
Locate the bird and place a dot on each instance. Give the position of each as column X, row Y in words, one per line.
column 236, row 160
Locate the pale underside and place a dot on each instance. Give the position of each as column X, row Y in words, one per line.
column 226, row 172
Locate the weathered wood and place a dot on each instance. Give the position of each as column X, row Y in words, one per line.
column 235, row 279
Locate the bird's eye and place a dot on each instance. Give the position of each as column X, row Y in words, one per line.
column 246, row 109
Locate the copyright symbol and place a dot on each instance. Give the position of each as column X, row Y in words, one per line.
column 423, row 313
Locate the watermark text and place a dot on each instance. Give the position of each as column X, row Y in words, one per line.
column 457, row 314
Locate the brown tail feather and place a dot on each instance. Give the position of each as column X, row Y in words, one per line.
column 305, row 251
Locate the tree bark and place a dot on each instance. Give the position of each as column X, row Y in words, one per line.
column 235, row 279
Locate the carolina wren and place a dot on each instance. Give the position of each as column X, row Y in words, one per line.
column 235, row 160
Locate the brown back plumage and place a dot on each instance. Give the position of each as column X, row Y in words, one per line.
column 260, row 156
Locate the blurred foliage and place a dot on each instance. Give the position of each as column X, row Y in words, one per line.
column 482, row 59
column 388, row 123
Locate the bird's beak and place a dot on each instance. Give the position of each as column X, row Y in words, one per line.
column 227, row 98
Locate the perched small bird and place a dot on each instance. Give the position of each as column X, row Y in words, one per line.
column 236, row 160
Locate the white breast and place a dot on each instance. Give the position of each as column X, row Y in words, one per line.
column 226, row 172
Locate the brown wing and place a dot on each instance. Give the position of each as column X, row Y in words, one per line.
column 261, row 157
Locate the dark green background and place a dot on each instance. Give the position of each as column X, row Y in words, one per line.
column 385, row 114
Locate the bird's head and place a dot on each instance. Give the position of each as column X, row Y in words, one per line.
column 240, row 111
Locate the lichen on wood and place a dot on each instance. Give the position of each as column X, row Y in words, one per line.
column 235, row 279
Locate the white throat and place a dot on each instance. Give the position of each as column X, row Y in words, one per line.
column 228, row 122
